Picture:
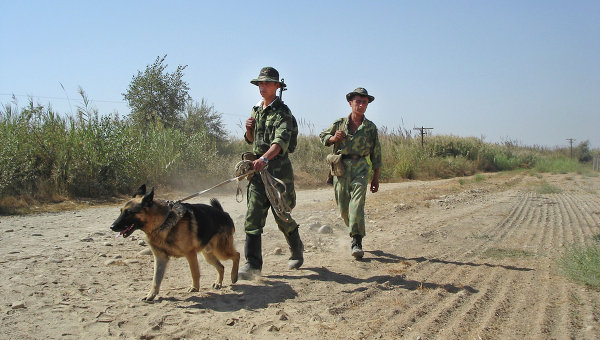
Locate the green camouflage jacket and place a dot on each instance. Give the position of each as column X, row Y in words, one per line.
column 364, row 142
column 274, row 125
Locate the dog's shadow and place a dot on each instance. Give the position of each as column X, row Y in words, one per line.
column 244, row 296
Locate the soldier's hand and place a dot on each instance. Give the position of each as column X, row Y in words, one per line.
column 338, row 136
column 259, row 165
column 250, row 122
column 375, row 185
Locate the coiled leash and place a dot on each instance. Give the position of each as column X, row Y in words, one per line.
column 276, row 197
column 243, row 169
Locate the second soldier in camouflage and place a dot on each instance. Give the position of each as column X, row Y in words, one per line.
column 355, row 138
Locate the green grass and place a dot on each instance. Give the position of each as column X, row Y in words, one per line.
column 559, row 165
column 582, row 264
column 478, row 178
column 506, row 253
column 546, row 188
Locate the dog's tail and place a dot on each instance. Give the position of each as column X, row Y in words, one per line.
column 215, row 204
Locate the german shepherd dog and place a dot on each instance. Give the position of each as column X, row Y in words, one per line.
column 205, row 228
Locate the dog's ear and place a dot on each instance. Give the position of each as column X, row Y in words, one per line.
column 148, row 199
column 141, row 191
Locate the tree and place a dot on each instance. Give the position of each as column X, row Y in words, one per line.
column 583, row 152
column 198, row 116
column 156, row 96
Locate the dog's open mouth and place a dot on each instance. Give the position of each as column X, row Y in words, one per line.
column 126, row 232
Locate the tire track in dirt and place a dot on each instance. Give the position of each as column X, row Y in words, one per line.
column 448, row 317
column 453, row 315
column 510, row 284
column 426, row 318
column 563, row 221
column 489, row 314
column 495, row 284
column 585, row 218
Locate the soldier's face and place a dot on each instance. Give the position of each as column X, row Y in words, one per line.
column 359, row 104
column 268, row 89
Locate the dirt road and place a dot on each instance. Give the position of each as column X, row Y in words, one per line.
column 443, row 260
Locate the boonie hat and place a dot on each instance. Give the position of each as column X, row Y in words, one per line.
column 268, row 74
column 361, row 92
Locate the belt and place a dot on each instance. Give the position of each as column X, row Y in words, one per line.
column 353, row 157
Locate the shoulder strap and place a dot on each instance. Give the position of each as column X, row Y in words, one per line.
column 343, row 127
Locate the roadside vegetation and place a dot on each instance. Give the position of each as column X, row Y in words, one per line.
column 47, row 156
column 173, row 142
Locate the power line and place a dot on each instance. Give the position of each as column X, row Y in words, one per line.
column 571, row 140
column 423, row 132
column 60, row 98
column 93, row 100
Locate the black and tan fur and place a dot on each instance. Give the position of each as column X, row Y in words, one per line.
column 205, row 228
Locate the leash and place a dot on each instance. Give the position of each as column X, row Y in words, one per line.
column 244, row 169
column 276, row 197
column 237, row 178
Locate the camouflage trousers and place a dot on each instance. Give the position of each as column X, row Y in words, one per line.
column 350, row 193
column 259, row 204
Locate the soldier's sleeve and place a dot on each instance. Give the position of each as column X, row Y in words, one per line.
column 284, row 127
column 328, row 133
column 375, row 154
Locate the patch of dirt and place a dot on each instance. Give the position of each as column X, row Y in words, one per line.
column 442, row 261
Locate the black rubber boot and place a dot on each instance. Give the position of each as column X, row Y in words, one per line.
column 356, row 247
column 296, row 249
column 253, row 249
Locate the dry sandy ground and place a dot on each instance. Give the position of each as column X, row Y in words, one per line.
column 443, row 261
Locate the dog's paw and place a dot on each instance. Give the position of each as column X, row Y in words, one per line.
column 149, row 298
column 217, row 285
column 192, row 289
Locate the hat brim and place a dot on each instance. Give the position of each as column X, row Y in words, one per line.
column 351, row 94
column 257, row 80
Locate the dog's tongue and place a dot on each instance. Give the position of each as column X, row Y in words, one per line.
column 124, row 231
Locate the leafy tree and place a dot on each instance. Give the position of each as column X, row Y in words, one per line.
column 583, row 152
column 156, row 96
column 199, row 116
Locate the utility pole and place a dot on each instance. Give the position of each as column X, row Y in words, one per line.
column 571, row 140
column 422, row 129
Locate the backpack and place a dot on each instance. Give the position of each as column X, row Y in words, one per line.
column 294, row 138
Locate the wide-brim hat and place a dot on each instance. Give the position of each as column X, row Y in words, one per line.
column 361, row 92
column 268, row 74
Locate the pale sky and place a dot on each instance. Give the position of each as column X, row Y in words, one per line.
column 524, row 71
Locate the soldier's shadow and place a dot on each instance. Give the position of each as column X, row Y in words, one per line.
column 384, row 257
column 391, row 281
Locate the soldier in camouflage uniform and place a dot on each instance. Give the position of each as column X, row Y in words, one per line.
column 355, row 137
column 272, row 131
